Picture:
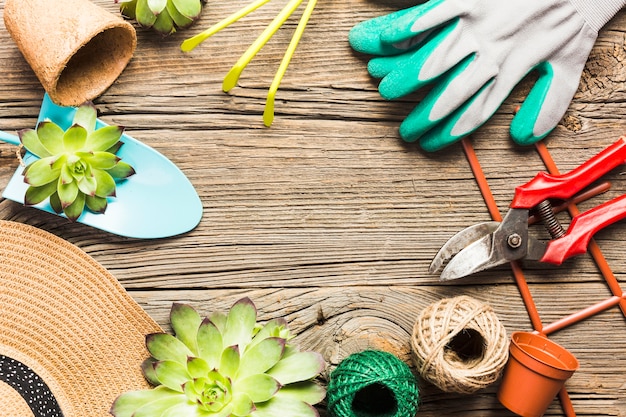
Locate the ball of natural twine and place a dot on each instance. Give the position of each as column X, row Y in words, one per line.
column 372, row 383
column 459, row 345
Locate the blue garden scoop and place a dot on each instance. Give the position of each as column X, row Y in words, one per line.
column 157, row 201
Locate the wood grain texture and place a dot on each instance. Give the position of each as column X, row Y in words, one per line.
column 327, row 218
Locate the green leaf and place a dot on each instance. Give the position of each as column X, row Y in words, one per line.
column 306, row 391
column 240, row 324
column 55, row 203
column 180, row 20
column 74, row 210
column 157, row 6
column 65, row 176
column 285, row 406
column 198, row 367
column 127, row 8
column 143, row 14
column 106, row 184
column 273, row 328
column 219, row 320
column 185, row 322
column 41, row 172
column 261, row 357
column 191, row 391
column 297, row 367
column 99, row 159
column 157, row 407
column 188, row 8
column 87, row 184
column 172, row 374
column 103, row 138
column 164, row 24
column 259, row 387
column 209, row 343
column 32, row 143
column 147, row 367
column 115, row 148
column 163, row 347
column 67, row 192
column 96, row 204
column 121, row 170
column 74, row 138
column 51, row 136
column 242, row 405
column 126, row 404
column 86, row 116
column 60, row 161
column 229, row 361
column 35, row 195
column 186, row 410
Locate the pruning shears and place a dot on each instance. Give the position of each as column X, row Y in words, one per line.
column 489, row 244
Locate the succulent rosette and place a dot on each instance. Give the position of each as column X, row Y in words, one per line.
column 163, row 16
column 77, row 168
column 225, row 365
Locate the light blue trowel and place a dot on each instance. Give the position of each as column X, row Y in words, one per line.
column 157, row 201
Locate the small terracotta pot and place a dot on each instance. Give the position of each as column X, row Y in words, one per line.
column 535, row 372
column 76, row 49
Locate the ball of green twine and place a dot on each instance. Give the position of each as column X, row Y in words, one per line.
column 372, row 383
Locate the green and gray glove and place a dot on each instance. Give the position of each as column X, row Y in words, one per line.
column 475, row 52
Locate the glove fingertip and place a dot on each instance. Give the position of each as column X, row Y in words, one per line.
column 521, row 132
column 392, row 87
column 438, row 139
column 542, row 109
column 359, row 38
column 449, row 130
column 408, row 133
column 378, row 68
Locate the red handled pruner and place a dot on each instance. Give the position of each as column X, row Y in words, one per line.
column 489, row 244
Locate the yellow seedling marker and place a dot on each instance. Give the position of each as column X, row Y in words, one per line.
column 232, row 77
column 196, row 40
column 268, row 114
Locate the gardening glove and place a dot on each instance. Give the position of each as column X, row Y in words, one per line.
column 475, row 52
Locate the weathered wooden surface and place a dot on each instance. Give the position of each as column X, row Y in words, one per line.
column 327, row 217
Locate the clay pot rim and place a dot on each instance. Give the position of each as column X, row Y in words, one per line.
column 556, row 367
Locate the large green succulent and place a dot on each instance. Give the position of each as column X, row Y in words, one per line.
column 225, row 365
column 164, row 16
column 77, row 167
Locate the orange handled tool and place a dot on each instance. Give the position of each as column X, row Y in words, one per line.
column 489, row 244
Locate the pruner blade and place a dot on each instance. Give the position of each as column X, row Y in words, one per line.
column 459, row 242
column 500, row 243
column 475, row 257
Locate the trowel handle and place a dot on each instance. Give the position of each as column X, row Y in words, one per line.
column 9, row 138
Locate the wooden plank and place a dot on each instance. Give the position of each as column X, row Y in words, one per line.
column 327, row 217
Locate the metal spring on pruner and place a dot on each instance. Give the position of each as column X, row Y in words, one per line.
column 544, row 210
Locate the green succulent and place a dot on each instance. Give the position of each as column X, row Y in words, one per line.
column 226, row 365
column 77, row 168
column 164, row 16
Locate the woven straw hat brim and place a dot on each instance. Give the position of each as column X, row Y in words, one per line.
column 70, row 321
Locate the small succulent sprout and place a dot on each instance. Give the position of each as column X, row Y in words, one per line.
column 77, row 168
column 225, row 365
column 163, row 16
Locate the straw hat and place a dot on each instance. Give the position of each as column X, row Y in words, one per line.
column 69, row 333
